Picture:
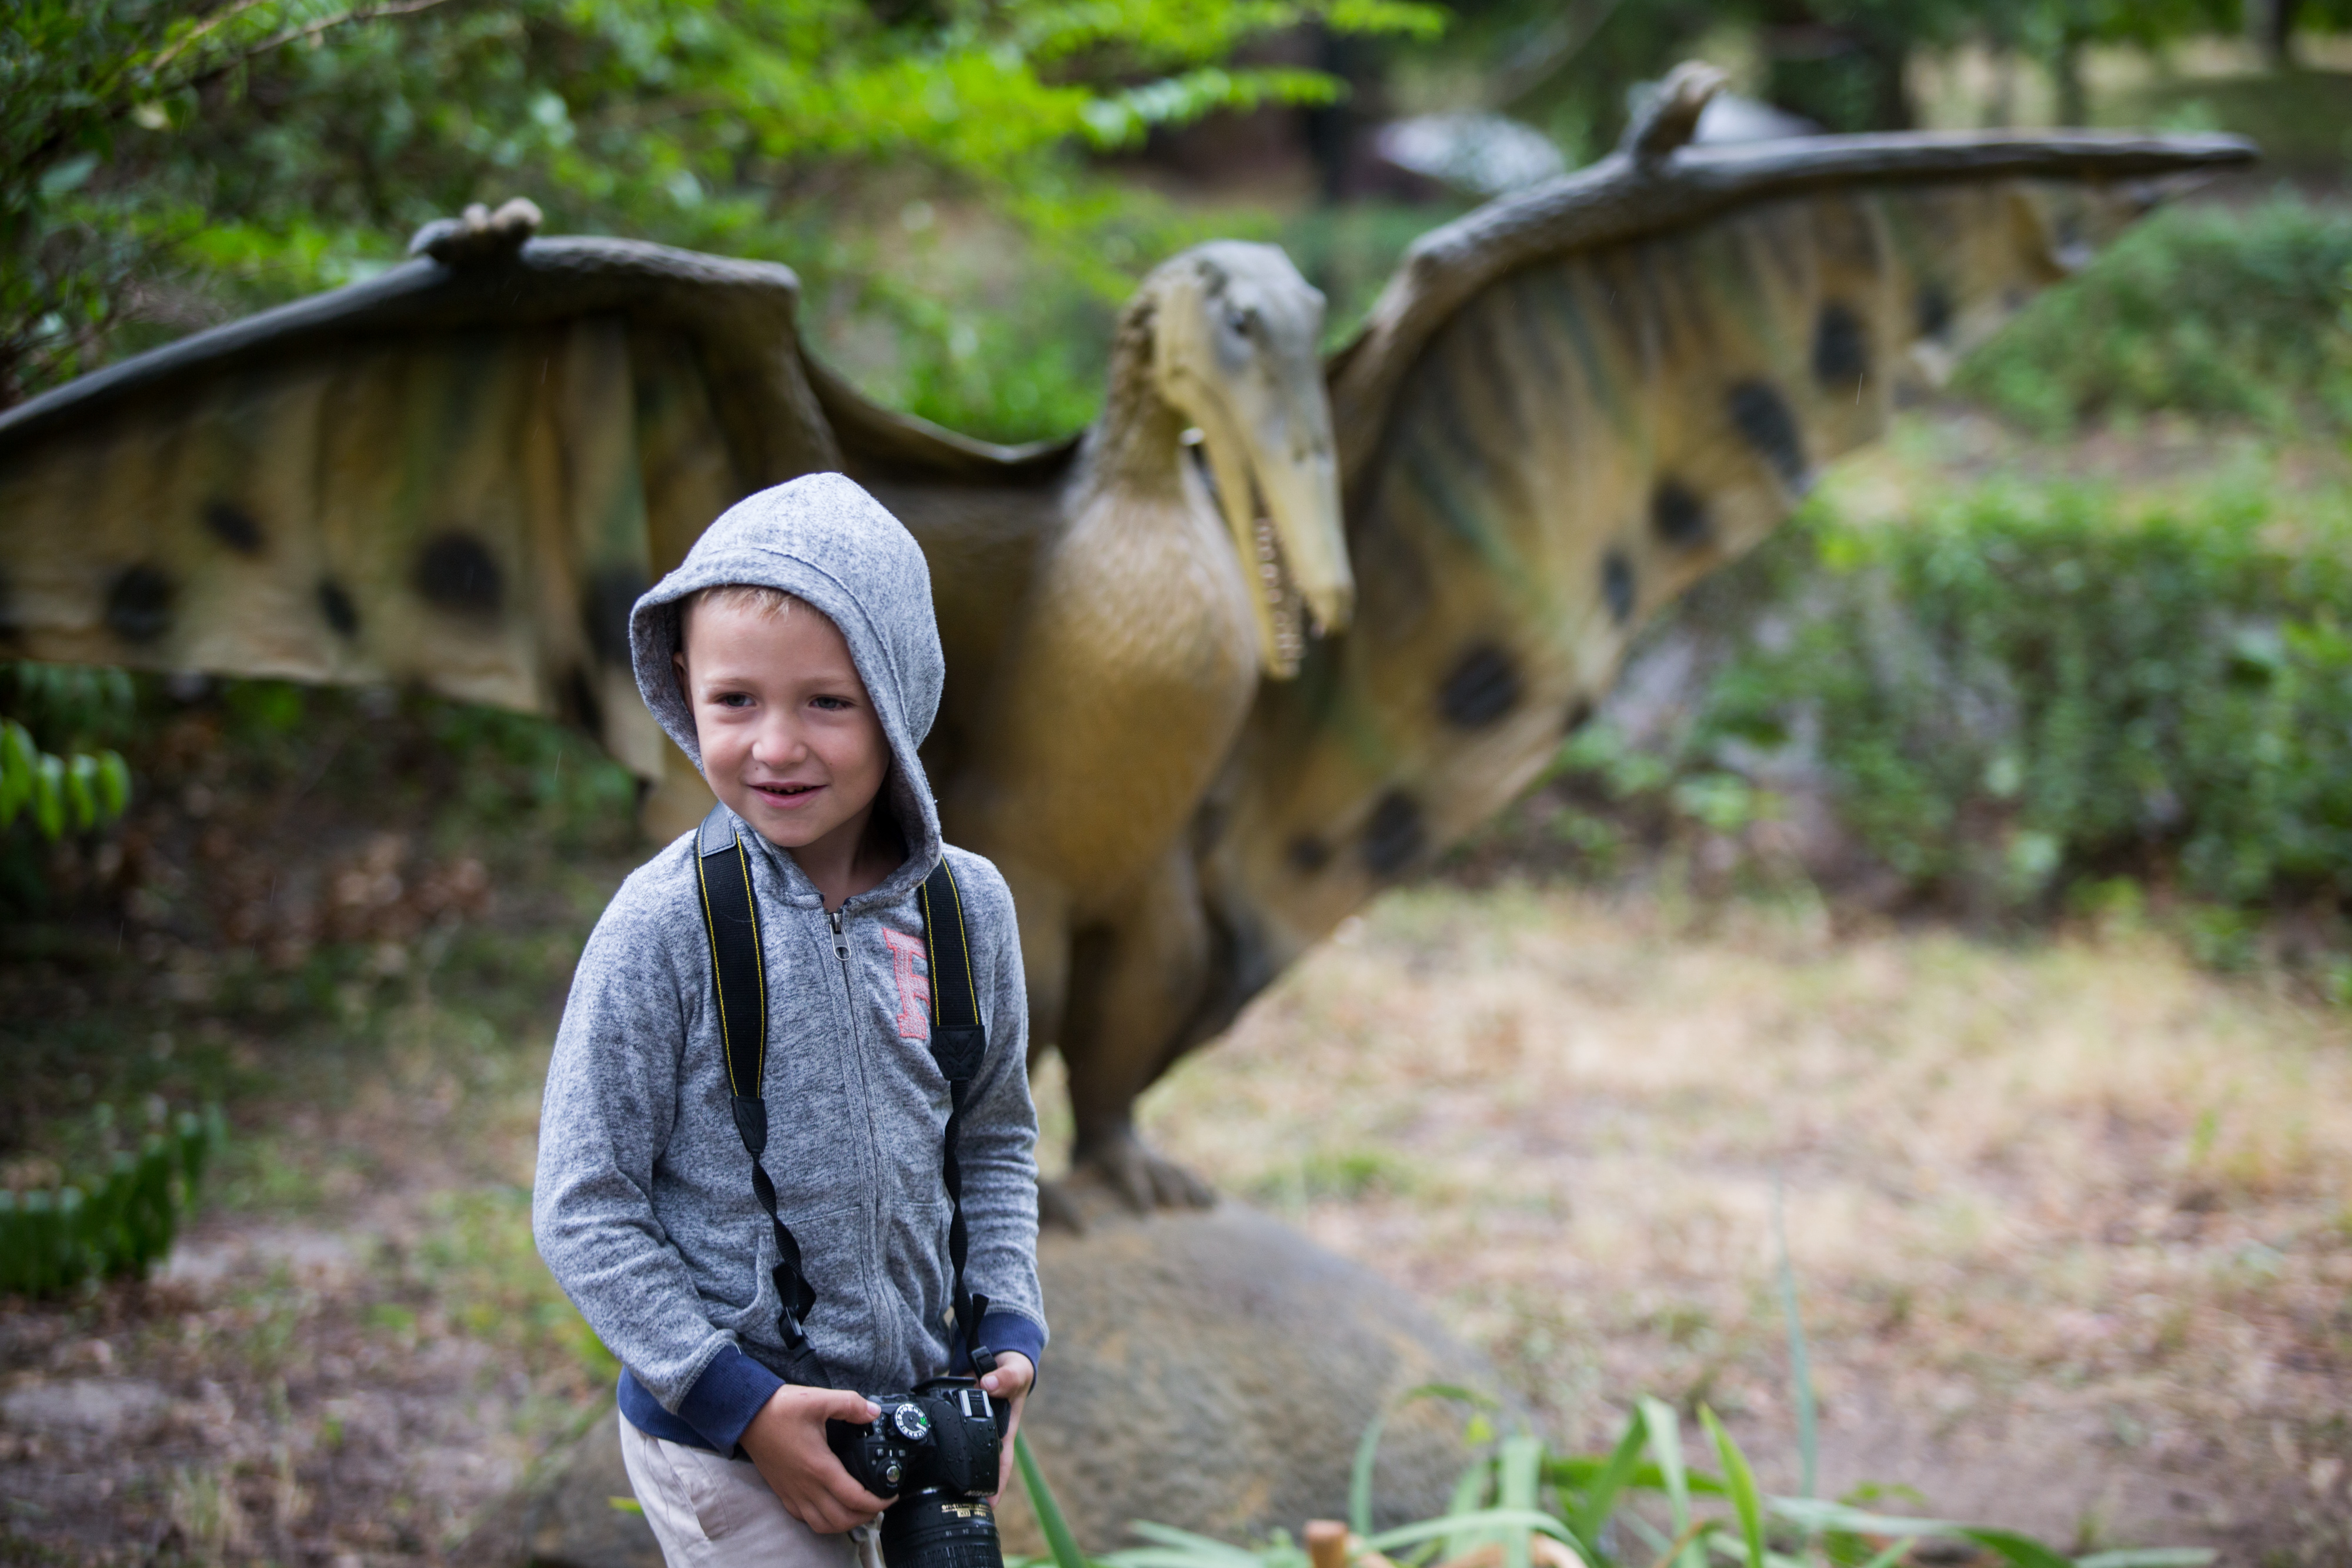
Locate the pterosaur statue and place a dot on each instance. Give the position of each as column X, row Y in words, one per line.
column 463, row 473
column 1566, row 407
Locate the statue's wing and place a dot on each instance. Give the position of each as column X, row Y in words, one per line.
column 1570, row 405
column 458, row 475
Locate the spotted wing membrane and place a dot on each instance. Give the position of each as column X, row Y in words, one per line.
column 452, row 480
column 1586, row 430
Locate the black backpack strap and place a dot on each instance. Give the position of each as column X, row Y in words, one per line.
column 959, row 1044
column 731, row 920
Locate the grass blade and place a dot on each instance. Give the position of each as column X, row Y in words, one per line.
column 1800, row 1360
column 2022, row 1551
column 1056, row 1529
column 2150, row 1557
column 1741, row 1483
column 1600, row 1496
column 1469, row 1497
column 1367, row 1447
column 1893, row 1554
column 1666, row 1434
column 1516, row 1471
column 1482, row 1524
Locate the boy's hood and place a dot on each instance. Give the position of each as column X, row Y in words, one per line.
column 820, row 539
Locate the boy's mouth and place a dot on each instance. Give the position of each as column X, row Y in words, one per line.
column 786, row 794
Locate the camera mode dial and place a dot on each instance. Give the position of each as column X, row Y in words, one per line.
column 912, row 1423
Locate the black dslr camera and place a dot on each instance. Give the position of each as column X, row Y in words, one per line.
column 937, row 1451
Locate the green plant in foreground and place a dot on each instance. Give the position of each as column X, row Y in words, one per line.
column 1583, row 1503
column 122, row 1224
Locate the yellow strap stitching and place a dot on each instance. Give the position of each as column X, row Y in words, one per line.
column 930, row 957
column 971, row 986
column 717, row 982
column 759, row 960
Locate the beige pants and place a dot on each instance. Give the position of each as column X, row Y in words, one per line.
column 713, row 1512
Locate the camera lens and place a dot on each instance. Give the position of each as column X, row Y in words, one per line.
column 935, row 1528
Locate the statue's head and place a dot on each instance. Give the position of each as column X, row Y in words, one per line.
column 1237, row 349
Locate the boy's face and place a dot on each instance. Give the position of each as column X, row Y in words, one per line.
column 789, row 739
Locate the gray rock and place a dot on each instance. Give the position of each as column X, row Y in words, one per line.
column 1214, row 1370
column 1209, row 1370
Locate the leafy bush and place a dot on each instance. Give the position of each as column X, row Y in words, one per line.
column 2017, row 690
column 119, row 1225
column 2203, row 309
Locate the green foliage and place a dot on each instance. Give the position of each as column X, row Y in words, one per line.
column 1589, row 1504
column 2201, row 309
column 80, row 786
column 161, row 160
column 2019, row 690
column 114, row 1226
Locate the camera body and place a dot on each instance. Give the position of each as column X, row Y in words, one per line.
column 937, row 1451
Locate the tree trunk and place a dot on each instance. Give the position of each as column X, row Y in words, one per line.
column 2269, row 28
column 2066, row 75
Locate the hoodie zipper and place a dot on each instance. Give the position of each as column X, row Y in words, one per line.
column 840, row 946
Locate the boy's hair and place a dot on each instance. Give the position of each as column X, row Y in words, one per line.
column 771, row 603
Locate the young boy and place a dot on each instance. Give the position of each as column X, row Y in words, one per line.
column 794, row 657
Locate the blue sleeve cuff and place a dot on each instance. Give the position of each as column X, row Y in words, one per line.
column 1010, row 1331
column 731, row 1390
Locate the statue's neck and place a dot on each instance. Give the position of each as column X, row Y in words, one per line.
column 1137, row 447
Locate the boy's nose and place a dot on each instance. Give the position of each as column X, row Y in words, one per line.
column 779, row 744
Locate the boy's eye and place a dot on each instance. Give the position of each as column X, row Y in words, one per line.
column 831, row 705
column 735, row 699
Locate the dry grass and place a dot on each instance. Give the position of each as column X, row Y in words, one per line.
column 2070, row 1220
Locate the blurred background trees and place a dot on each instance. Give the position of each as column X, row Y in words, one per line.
column 163, row 164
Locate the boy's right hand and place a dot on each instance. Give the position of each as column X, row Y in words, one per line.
column 787, row 1441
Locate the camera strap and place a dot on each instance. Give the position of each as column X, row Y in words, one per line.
column 959, row 1045
column 730, row 918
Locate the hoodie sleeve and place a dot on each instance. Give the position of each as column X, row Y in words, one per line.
column 997, row 1145
column 611, row 1105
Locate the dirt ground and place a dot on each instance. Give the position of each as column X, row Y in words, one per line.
column 2068, row 1221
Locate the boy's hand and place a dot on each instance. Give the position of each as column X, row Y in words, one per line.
column 1008, row 1385
column 786, row 1442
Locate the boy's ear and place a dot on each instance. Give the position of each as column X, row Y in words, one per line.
column 677, row 665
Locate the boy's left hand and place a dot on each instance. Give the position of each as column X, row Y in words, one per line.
column 1009, row 1386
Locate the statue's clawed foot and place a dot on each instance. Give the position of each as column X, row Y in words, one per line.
column 1126, row 1163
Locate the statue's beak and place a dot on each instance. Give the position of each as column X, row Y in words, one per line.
column 1276, row 461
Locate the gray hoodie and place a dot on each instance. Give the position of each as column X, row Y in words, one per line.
column 643, row 1207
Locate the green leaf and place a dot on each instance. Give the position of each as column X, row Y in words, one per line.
column 1367, row 1447
column 1469, row 1497
column 70, row 175
column 1484, row 1521
column 1667, row 1443
column 49, row 797
column 1055, row 1528
column 17, row 762
column 81, row 792
column 114, row 783
column 1741, row 1481
column 1600, row 1492
column 625, row 1505
column 2020, row 1550
column 1517, row 1468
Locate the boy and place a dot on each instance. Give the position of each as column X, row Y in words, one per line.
column 794, row 657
